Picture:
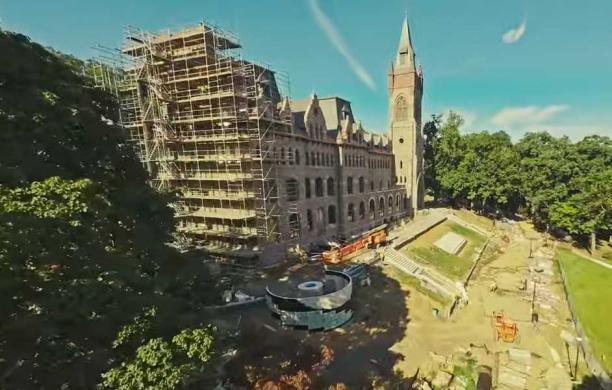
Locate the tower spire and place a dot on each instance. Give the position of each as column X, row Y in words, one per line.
column 405, row 51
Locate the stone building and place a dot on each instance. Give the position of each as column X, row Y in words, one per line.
column 255, row 170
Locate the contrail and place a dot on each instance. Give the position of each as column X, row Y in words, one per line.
column 336, row 39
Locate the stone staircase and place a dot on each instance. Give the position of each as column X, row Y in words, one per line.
column 430, row 279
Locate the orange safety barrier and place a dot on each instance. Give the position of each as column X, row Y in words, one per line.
column 505, row 328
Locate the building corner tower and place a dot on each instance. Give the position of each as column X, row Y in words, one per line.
column 405, row 84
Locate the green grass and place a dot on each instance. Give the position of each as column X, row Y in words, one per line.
column 451, row 265
column 590, row 286
column 455, row 266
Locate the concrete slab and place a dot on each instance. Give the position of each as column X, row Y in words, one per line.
column 451, row 243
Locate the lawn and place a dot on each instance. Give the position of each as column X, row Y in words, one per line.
column 455, row 266
column 590, row 287
column 475, row 219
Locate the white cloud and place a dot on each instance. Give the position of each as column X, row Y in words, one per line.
column 339, row 43
column 510, row 116
column 515, row 34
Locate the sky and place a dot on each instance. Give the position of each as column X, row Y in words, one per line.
column 512, row 65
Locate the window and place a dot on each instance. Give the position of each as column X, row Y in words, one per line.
column 313, row 161
column 381, row 206
column 321, row 216
column 294, row 225
column 401, row 109
column 390, row 204
column 297, row 157
column 361, row 210
column 397, row 198
column 331, row 214
column 307, row 158
column 319, row 187
column 318, row 159
column 330, row 187
column 309, row 224
column 372, row 208
column 290, row 156
column 282, row 156
column 349, row 185
column 361, row 184
column 380, row 186
column 293, row 190
column 275, row 154
column 401, row 140
column 401, row 164
column 371, row 185
column 405, row 203
column 351, row 213
column 307, row 187
column 327, row 160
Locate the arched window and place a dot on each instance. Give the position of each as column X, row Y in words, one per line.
column 401, row 164
column 309, row 223
column 318, row 159
column 331, row 214
column 351, row 213
column 361, row 210
column 330, row 187
column 372, row 208
column 319, row 187
column 297, row 157
column 293, row 190
column 380, row 186
column 381, row 206
column 290, row 156
column 307, row 187
column 401, row 109
column 371, row 185
column 307, row 158
column 327, row 160
column 361, row 184
column 349, row 185
column 405, row 203
column 313, row 161
column 397, row 198
column 390, row 204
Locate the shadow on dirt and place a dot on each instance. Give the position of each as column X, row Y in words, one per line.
column 357, row 355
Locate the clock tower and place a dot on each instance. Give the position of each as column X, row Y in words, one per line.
column 405, row 84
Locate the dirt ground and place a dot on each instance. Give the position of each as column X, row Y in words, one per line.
column 394, row 335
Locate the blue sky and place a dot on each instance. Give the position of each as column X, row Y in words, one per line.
column 513, row 65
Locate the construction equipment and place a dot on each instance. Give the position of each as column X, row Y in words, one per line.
column 369, row 239
column 505, row 328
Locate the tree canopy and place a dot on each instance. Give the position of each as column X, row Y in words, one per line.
column 83, row 237
column 558, row 183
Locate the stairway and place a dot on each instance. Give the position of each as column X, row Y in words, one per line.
column 429, row 278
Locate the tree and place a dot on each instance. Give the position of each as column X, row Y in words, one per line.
column 431, row 131
column 547, row 165
column 448, row 155
column 83, row 238
column 589, row 209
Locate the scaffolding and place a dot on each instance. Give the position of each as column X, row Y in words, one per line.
column 203, row 121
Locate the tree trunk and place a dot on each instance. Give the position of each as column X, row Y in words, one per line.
column 593, row 242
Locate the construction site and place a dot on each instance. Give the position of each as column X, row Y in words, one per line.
column 257, row 173
column 203, row 121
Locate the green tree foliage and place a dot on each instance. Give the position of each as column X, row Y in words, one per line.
column 431, row 132
column 479, row 168
column 82, row 236
column 561, row 184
